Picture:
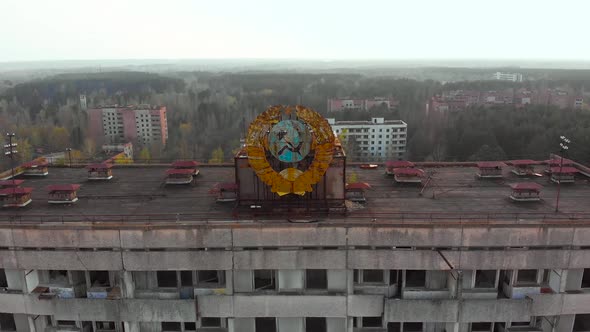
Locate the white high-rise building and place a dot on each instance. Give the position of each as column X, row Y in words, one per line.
column 83, row 103
column 375, row 140
column 514, row 77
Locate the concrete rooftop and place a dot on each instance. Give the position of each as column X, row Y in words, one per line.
column 454, row 194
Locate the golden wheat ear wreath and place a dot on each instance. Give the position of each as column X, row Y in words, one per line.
column 290, row 179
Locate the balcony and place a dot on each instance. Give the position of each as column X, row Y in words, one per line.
column 464, row 311
column 48, row 291
column 109, row 293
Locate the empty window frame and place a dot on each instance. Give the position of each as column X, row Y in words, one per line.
column 393, row 277
column 190, row 326
column 585, row 279
column 105, row 326
column 99, row 278
column 66, row 323
column 3, row 281
column 211, row 322
column 316, row 279
column 315, row 324
column 186, row 278
column 372, row 276
column 7, row 322
column 171, row 326
column 394, row 327
column 485, row 279
column 372, row 321
column 167, row 279
column 526, row 276
column 481, row 327
column 368, row 276
column 265, row 324
column 416, row 278
column 58, row 277
column 210, row 277
column 413, row 327
column 264, row 279
column 581, row 323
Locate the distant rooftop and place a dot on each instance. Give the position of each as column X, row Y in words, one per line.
column 130, row 107
column 373, row 121
column 139, row 193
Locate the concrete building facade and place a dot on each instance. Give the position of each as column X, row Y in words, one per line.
column 374, row 140
column 351, row 104
column 514, row 77
column 384, row 276
column 143, row 124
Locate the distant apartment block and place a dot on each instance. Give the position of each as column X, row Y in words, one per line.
column 457, row 100
column 514, row 77
column 344, row 104
column 143, row 124
column 378, row 139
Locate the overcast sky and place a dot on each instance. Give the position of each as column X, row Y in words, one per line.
column 317, row 29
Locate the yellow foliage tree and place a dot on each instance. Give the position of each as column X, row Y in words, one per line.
column 216, row 156
column 89, row 147
column 60, row 138
column 25, row 150
column 144, row 155
column 122, row 159
column 352, row 177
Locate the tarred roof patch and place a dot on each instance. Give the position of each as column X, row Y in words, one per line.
column 408, row 171
column 531, row 186
column 16, row 190
column 99, row 166
column 179, row 171
column 185, row 164
column 11, row 183
column 358, row 186
column 564, row 170
column 523, row 162
column 490, row 164
column 63, row 187
column 558, row 161
column 399, row 164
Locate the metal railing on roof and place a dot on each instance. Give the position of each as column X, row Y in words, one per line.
column 419, row 218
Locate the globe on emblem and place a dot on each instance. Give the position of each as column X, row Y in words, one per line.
column 289, row 141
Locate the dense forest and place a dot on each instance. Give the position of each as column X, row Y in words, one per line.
column 501, row 134
column 208, row 112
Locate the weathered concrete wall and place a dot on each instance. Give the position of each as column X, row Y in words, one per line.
column 289, row 236
column 456, row 310
column 394, row 310
column 289, row 259
column 225, row 247
column 365, row 305
column 176, row 238
column 396, row 259
column 177, row 260
column 508, row 259
column 289, row 306
column 69, row 260
column 66, row 238
column 254, row 235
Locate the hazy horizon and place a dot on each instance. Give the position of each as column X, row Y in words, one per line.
column 454, row 30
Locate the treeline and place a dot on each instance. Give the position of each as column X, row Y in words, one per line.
column 208, row 113
column 501, row 134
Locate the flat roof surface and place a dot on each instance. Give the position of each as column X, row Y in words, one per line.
column 457, row 190
column 453, row 193
column 131, row 191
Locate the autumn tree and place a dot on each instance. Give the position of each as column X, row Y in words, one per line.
column 217, row 156
column 144, row 155
column 25, row 150
column 89, row 147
